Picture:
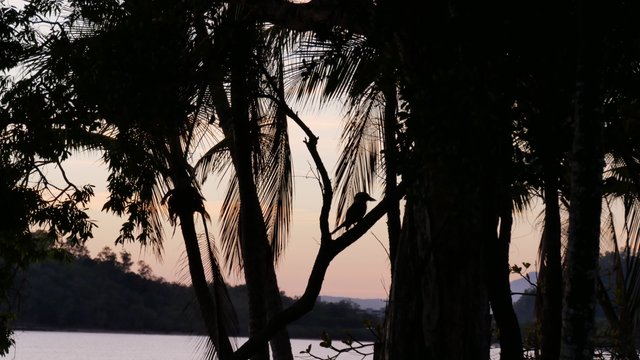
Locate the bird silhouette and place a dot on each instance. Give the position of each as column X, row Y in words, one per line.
column 356, row 211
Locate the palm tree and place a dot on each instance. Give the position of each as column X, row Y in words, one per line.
column 543, row 106
column 257, row 208
column 620, row 303
column 146, row 92
column 586, row 190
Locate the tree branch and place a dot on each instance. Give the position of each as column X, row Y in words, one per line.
column 311, row 143
column 328, row 250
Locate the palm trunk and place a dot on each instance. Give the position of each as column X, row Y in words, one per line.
column 211, row 311
column 280, row 343
column 498, row 281
column 264, row 295
column 500, row 289
column 406, row 304
column 586, row 190
column 391, row 159
column 442, row 261
column 550, row 277
column 451, row 197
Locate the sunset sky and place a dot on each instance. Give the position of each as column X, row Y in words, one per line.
column 361, row 271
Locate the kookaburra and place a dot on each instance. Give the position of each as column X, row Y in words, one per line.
column 356, row 211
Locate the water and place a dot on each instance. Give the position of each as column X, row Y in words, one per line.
column 54, row 345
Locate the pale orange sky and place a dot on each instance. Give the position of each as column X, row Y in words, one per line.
column 361, row 271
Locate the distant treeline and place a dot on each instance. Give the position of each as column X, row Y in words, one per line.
column 104, row 294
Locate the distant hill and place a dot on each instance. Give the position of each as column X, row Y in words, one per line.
column 522, row 285
column 364, row 304
column 518, row 286
column 103, row 294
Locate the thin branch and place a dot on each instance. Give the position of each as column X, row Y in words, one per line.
column 340, row 351
column 329, row 248
column 64, row 176
column 327, row 252
column 382, row 245
column 311, row 142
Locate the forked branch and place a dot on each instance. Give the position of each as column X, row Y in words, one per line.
column 329, row 248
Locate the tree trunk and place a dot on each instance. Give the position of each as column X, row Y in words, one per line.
column 500, row 289
column 391, row 159
column 405, row 312
column 586, row 190
column 452, row 193
column 212, row 312
column 442, row 259
column 260, row 276
column 501, row 149
column 550, row 277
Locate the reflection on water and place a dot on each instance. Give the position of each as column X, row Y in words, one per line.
column 45, row 345
column 59, row 345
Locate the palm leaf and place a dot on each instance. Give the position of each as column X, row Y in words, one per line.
column 276, row 184
column 322, row 72
column 360, row 156
column 230, row 227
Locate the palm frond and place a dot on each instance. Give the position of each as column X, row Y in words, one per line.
column 522, row 197
column 322, row 72
column 215, row 160
column 632, row 281
column 360, row 156
column 276, row 185
column 230, row 227
column 273, row 174
column 229, row 317
column 226, row 315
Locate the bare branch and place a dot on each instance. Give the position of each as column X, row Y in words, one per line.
column 328, row 250
column 311, row 143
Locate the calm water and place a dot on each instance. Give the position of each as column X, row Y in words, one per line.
column 44, row 345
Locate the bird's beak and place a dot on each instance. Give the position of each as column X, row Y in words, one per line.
column 371, row 199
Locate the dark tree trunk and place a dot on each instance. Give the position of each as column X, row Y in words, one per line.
column 253, row 250
column 212, row 312
column 260, row 276
column 391, row 159
column 500, row 288
column 499, row 191
column 550, row 277
column 405, row 309
column 452, row 194
column 586, row 192
column 451, row 213
column 280, row 343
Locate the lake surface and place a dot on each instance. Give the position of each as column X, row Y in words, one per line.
column 55, row 345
